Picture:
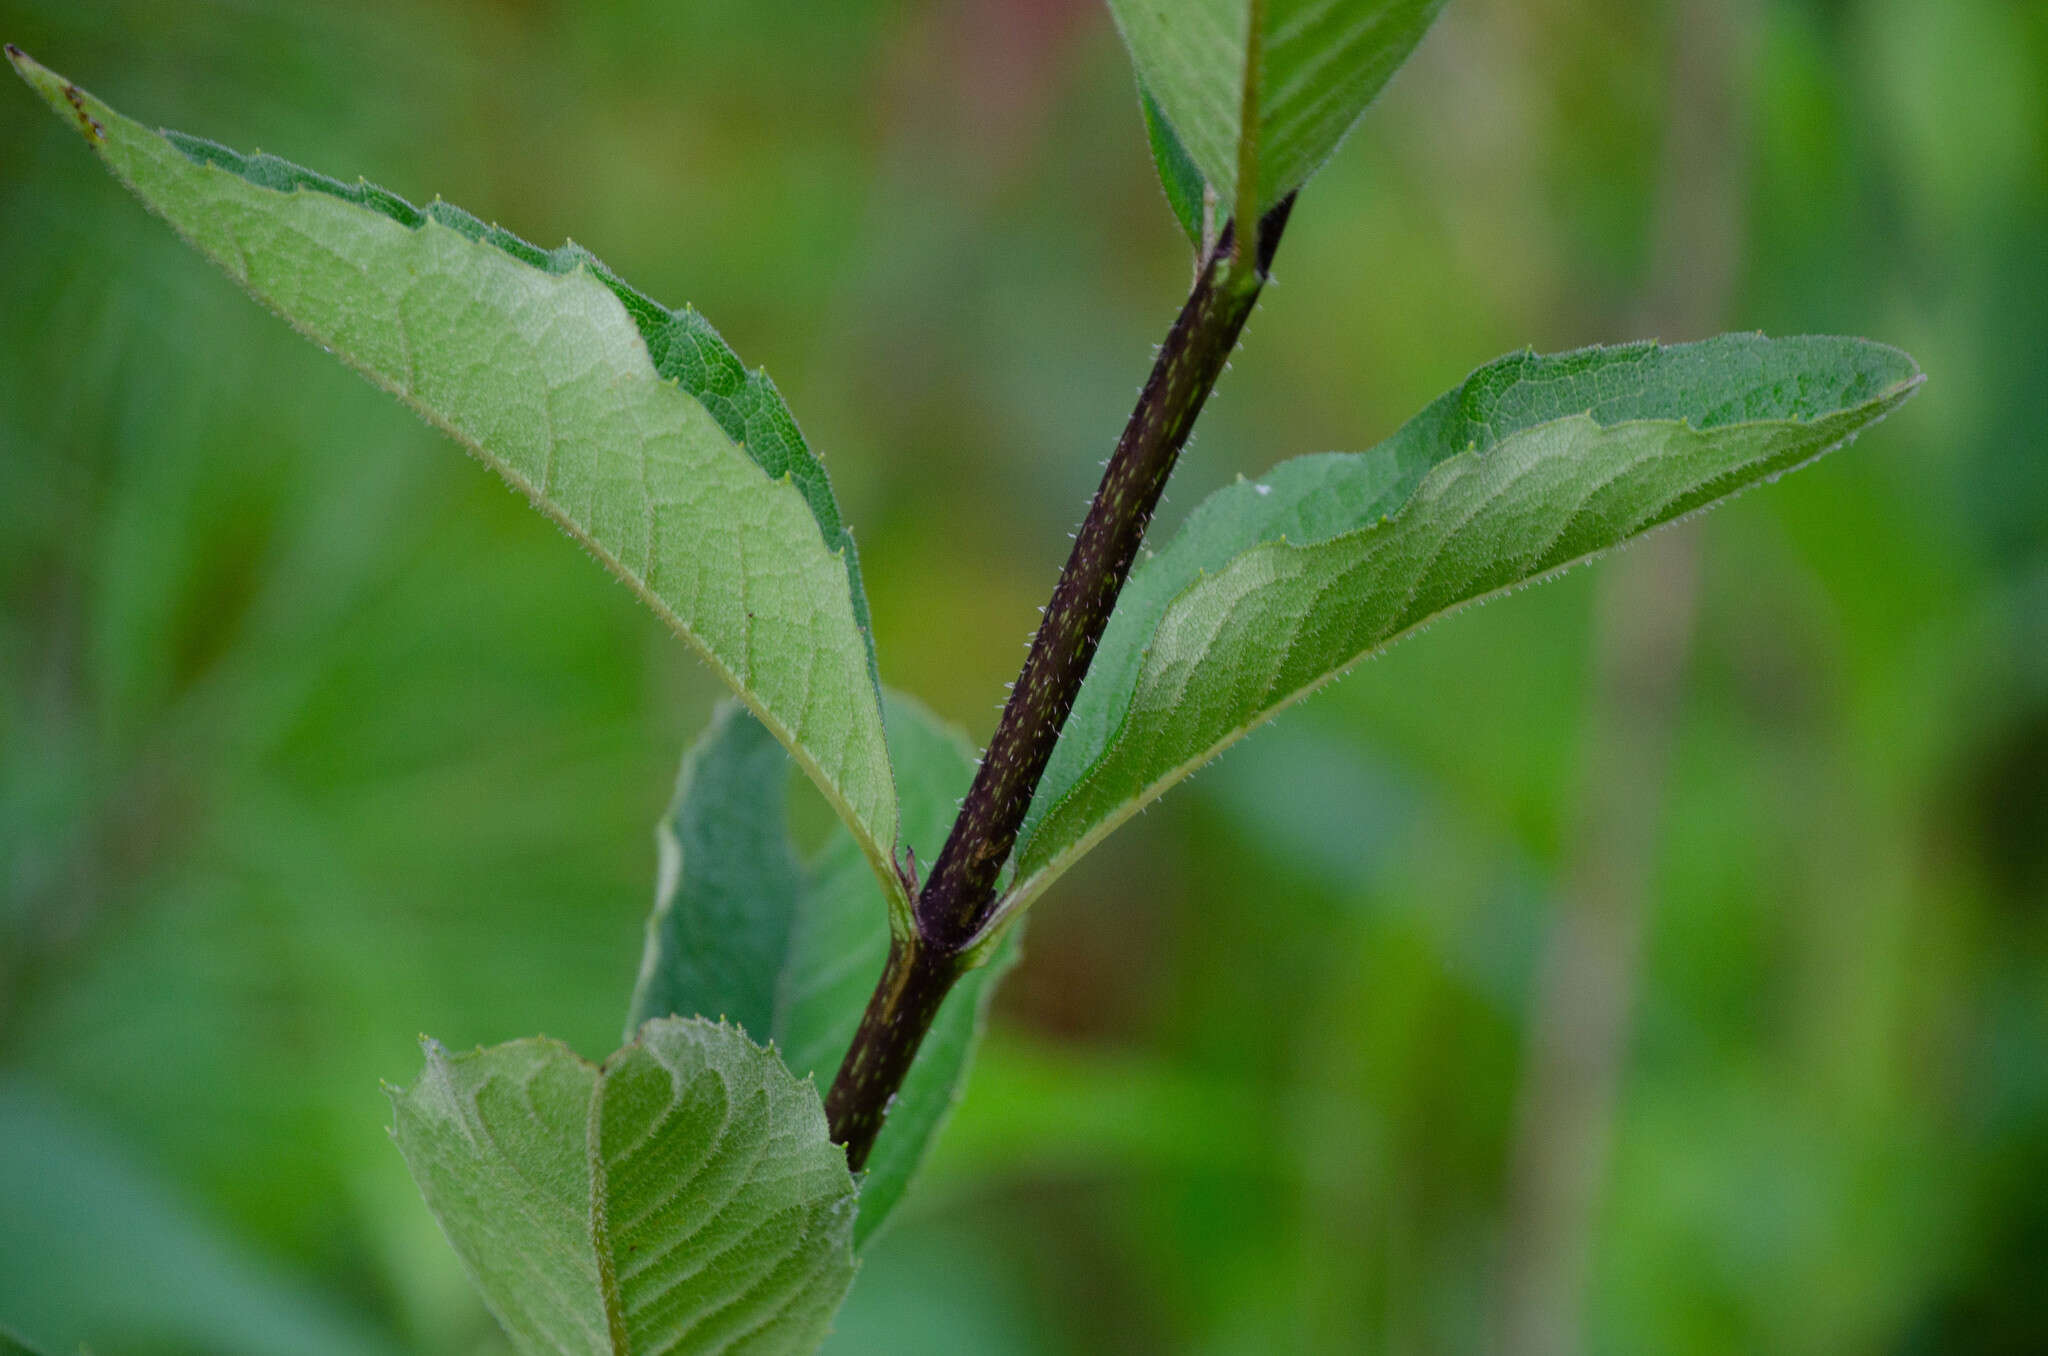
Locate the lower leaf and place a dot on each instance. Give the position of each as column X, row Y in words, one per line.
column 789, row 950
column 682, row 1197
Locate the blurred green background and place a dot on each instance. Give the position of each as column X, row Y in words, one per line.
column 1656, row 961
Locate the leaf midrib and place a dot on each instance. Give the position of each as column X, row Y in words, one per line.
column 369, row 197
column 600, row 1230
column 1029, row 887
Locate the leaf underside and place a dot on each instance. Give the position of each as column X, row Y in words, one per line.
column 634, row 427
column 741, row 930
column 1319, row 64
column 682, row 1198
column 1179, row 176
column 1533, row 464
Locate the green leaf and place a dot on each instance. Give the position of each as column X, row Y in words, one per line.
column 1309, row 67
column 1178, row 173
column 683, row 1197
column 1532, row 465
column 729, row 898
column 634, row 427
column 742, row 931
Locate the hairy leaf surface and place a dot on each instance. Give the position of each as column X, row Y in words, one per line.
column 1312, row 66
column 681, row 1198
column 742, row 931
column 1533, row 464
column 634, row 427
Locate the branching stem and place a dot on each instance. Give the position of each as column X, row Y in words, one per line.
column 960, row 893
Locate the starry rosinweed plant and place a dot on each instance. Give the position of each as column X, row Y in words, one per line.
column 692, row 1191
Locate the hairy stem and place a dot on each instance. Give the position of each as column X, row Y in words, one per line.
column 961, row 888
column 914, row 983
column 960, row 893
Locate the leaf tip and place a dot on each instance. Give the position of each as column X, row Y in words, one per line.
column 59, row 93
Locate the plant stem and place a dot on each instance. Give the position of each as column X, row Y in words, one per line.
column 960, row 893
column 914, row 983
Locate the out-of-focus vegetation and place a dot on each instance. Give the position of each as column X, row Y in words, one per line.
column 1653, row 962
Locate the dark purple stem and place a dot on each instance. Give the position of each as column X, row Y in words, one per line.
column 960, row 892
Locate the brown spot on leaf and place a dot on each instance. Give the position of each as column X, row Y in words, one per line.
column 87, row 123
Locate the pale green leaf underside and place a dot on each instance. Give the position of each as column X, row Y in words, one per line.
column 683, row 1198
column 1321, row 62
column 743, row 931
column 545, row 366
column 1533, row 464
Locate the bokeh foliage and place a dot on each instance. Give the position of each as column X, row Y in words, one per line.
column 285, row 778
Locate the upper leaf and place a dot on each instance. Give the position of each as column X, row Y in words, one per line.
column 742, row 931
column 1264, row 86
column 683, row 1198
column 634, row 427
column 1532, row 465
